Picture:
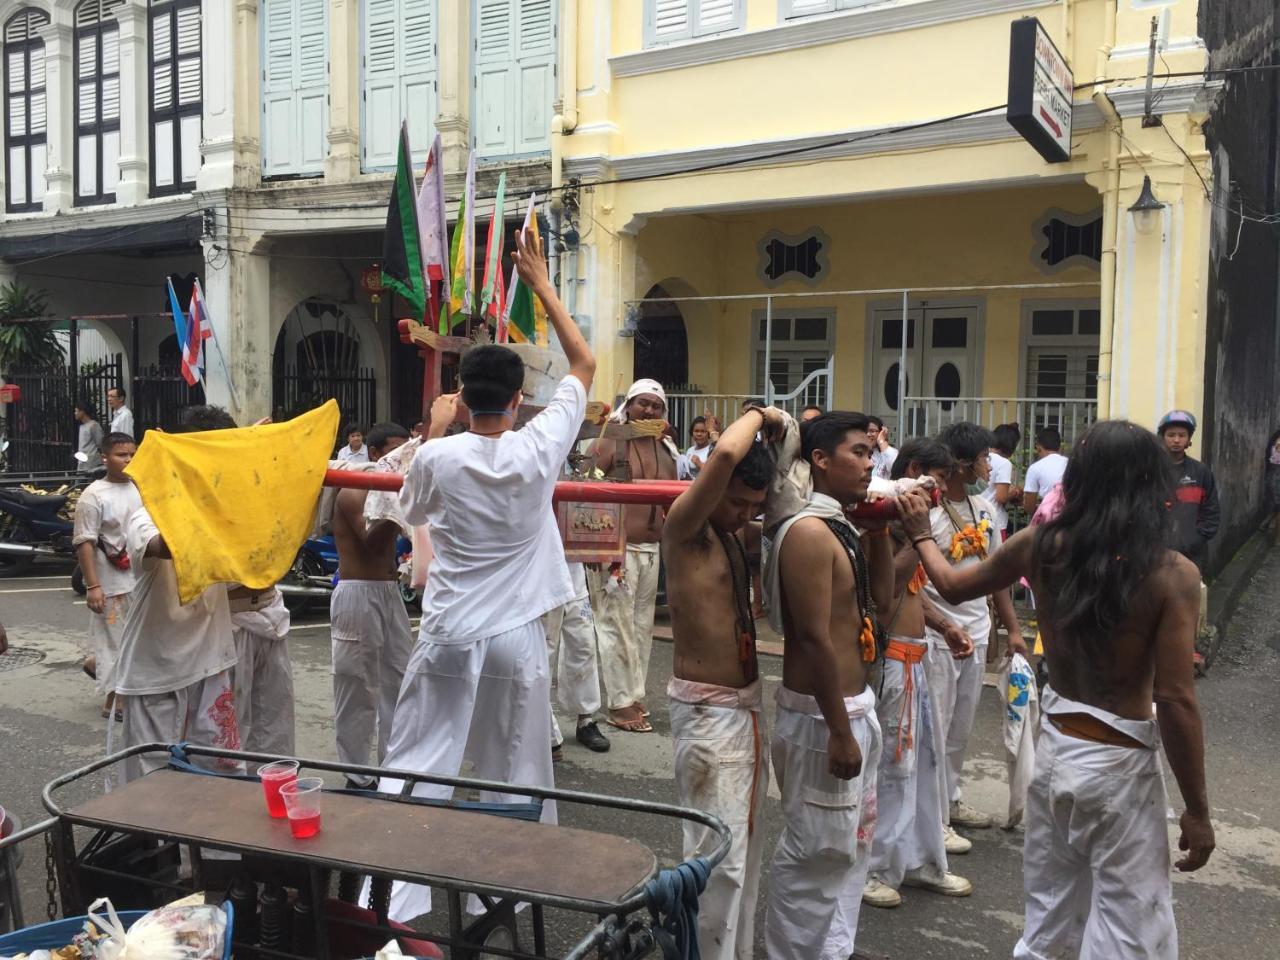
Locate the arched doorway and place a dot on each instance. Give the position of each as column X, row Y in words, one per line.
column 319, row 355
column 661, row 343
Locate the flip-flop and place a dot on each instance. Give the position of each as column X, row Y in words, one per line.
column 631, row 726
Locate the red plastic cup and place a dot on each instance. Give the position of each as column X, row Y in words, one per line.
column 302, row 801
column 273, row 777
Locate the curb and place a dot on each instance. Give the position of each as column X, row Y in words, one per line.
column 1229, row 586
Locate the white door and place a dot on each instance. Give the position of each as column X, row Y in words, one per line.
column 942, row 347
column 514, row 76
column 295, row 87
column 399, row 74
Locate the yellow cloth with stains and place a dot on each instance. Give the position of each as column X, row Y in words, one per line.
column 234, row 506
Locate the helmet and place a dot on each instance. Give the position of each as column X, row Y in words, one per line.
column 1181, row 418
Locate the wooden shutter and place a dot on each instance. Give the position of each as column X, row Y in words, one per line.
column 713, row 16
column 536, row 62
column 399, row 60
column 515, row 76
column 494, row 77
column 295, row 87
column 670, row 20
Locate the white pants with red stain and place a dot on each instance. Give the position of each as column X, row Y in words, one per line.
column 263, row 680
column 1096, row 854
column 722, row 767
column 202, row 713
column 820, row 865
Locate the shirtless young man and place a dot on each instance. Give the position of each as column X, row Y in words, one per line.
column 624, row 612
column 716, row 718
column 1118, row 615
column 371, row 631
column 908, row 845
column 826, row 745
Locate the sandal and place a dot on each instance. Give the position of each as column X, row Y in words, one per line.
column 634, row 725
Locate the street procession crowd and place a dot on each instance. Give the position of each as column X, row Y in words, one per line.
column 886, row 624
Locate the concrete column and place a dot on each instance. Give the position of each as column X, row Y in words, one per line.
column 615, row 266
column 60, row 82
column 244, row 101
column 237, row 287
column 227, row 57
column 453, row 79
column 343, row 162
column 135, row 135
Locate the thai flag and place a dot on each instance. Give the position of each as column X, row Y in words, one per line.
column 181, row 324
column 200, row 330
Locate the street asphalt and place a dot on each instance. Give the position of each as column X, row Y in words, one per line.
column 49, row 723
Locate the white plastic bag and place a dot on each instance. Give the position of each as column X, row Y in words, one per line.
column 169, row 933
column 390, row 952
column 1021, row 707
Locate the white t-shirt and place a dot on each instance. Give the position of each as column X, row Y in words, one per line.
column 699, row 453
column 1001, row 472
column 972, row 615
column 122, row 421
column 882, row 462
column 499, row 562
column 166, row 646
column 354, row 456
column 1044, row 473
column 101, row 514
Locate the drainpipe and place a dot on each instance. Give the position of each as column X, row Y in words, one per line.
column 1110, row 217
column 564, row 122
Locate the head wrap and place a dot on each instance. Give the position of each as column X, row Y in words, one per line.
column 639, row 387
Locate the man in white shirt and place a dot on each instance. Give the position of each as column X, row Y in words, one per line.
column 883, row 455
column 121, row 416
column 1001, row 490
column 355, row 451
column 478, row 685
column 175, row 660
column 1047, row 471
column 101, row 514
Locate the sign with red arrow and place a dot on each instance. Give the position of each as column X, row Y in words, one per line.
column 1041, row 87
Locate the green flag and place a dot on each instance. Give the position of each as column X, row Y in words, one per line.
column 401, row 252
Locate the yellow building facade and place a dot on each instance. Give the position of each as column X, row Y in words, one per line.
column 794, row 167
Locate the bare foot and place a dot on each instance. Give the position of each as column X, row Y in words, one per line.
column 630, row 720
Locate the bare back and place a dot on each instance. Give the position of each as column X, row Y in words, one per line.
column 703, row 599
column 362, row 554
column 814, row 560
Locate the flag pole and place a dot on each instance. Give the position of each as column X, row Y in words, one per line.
column 235, row 399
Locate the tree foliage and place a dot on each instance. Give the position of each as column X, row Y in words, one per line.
column 26, row 341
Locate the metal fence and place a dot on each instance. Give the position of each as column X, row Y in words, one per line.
column 43, row 433
column 925, row 416
column 296, row 391
column 161, row 395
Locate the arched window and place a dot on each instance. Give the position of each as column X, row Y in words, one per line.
column 175, row 95
column 25, row 110
column 97, row 101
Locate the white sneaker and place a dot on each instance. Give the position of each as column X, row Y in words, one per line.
column 877, row 894
column 954, row 843
column 949, row 886
column 963, row 815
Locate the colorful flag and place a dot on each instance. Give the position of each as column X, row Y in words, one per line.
column 463, row 269
column 401, row 248
column 526, row 318
column 492, row 296
column 201, row 329
column 434, row 230
column 181, row 324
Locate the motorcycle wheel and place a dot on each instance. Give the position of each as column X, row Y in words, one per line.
column 13, row 530
column 77, row 581
column 306, row 565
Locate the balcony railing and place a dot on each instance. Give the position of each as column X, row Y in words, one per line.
column 925, row 416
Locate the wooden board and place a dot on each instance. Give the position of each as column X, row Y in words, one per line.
column 398, row 840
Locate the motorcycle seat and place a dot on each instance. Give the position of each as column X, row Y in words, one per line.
column 50, row 502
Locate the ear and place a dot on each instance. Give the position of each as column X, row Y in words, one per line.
column 514, row 403
column 819, row 460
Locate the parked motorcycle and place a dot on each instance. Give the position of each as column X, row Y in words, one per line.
column 314, row 573
column 33, row 525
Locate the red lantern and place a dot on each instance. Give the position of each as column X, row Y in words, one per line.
column 371, row 280
column 10, row 393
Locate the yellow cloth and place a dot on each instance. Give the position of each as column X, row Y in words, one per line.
column 234, row 506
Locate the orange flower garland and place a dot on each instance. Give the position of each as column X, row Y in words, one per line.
column 867, row 641
column 971, row 541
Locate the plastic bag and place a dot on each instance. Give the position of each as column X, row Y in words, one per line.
column 1021, row 720
column 170, row 933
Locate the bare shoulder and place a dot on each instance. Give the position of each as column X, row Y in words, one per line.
column 1176, row 577
column 808, row 537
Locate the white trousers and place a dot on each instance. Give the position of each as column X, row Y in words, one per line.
column 105, row 631
column 263, row 682
column 371, row 642
column 721, row 766
column 571, row 653
column 820, row 865
column 488, row 701
column 909, row 829
column 1096, row 854
column 624, row 624
column 954, row 689
column 203, row 713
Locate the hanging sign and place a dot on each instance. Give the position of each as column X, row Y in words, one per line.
column 1041, row 87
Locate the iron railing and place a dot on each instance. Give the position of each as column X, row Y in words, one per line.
column 925, row 416
column 297, row 390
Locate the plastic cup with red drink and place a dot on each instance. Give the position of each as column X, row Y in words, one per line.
column 273, row 777
column 302, row 801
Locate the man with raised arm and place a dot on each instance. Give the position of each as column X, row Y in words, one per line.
column 716, row 718
column 826, row 742
column 1118, row 615
column 477, row 685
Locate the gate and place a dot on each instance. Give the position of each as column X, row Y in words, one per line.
column 296, row 392
column 160, row 396
column 43, row 433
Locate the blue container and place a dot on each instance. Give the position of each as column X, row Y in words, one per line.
column 58, row 933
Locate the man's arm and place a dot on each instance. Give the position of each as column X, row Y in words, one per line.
column 1210, row 513
column 806, row 562
column 1009, row 618
column 692, row 508
column 957, row 637
column 93, row 596
column 157, row 549
column 956, row 584
column 1177, row 711
column 880, row 566
column 602, row 454
column 531, row 264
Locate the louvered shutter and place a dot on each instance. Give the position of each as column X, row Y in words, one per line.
column 313, row 82
column 536, row 59
column 804, row 8
column 495, row 78
column 671, row 20
column 399, row 79
column 714, row 16
column 418, row 73
column 515, row 76
column 295, row 87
